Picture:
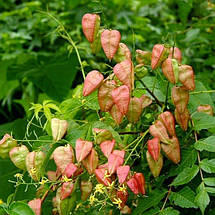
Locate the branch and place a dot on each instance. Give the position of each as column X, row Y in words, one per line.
column 130, row 132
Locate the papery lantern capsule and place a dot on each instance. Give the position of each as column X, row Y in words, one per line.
column 159, row 54
column 18, row 156
column 96, row 44
column 180, row 98
column 123, row 53
column 121, row 97
column 86, row 188
column 114, row 161
column 159, row 130
column 63, row 155
column 116, row 114
column 125, row 210
column 91, row 161
column 171, row 70
column 82, row 149
column 59, row 128
column 168, row 121
column 122, row 173
column 182, row 118
column 70, row 170
column 103, row 166
column 104, row 95
column 177, row 54
column 102, row 135
column 66, row 190
column 143, row 57
column 120, row 153
column 110, row 40
column 100, row 176
column 107, row 147
column 6, row 144
column 90, row 25
column 172, row 151
column 154, row 148
column 133, row 185
column 92, row 82
column 134, row 110
column 36, row 206
column 141, row 182
column 205, row 109
column 140, row 71
column 155, row 166
column 123, row 72
column 146, row 101
column 123, row 196
column 186, row 77
column 34, row 161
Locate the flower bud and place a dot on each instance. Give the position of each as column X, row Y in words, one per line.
column 123, row 53
column 107, row 147
column 141, row 182
column 101, row 178
column 59, row 128
column 92, row 82
column 114, row 161
column 177, row 54
column 205, row 109
column 6, row 144
column 140, row 71
column 122, row 173
column 159, row 54
column 133, row 185
column 155, row 166
column 143, row 57
column 154, row 148
column 134, row 110
column 66, row 190
column 186, row 77
column 36, row 206
column 102, row 135
column 110, row 40
column 34, row 161
column 116, row 114
column 18, row 155
column 90, row 25
column 182, row 118
column 86, row 188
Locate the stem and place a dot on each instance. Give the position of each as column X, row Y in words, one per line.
column 203, row 91
column 130, row 132
column 167, row 196
column 166, row 100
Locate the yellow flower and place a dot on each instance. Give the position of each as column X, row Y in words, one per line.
column 106, row 174
column 99, row 188
column 1, row 202
column 33, row 171
column 83, row 101
column 92, row 199
column 65, row 179
column 110, row 185
column 43, row 181
column 123, row 188
column 117, row 201
column 18, row 175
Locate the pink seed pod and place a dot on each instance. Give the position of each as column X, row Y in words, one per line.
column 154, row 148
column 133, row 185
column 122, row 173
column 186, row 77
column 180, row 98
column 159, row 54
column 146, row 101
column 116, row 114
column 36, row 206
column 159, row 130
column 123, row 53
column 107, row 147
column 70, row 170
column 91, row 161
column 82, row 149
column 123, row 196
column 6, row 144
column 171, row 70
column 100, row 176
column 103, row 166
column 141, row 182
column 66, row 190
column 177, row 54
column 52, row 175
column 121, row 97
column 120, row 153
column 168, row 121
column 205, row 109
column 182, row 118
column 123, row 72
column 34, row 161
column 172, row 151
column 90, row 25
column 104, row 95
column 63, row 155
column 86, row 188
column 92, row 82
column 114, row 161
column 96, row 44
column 101, row 135
column 110, row 40
column 143, row 57
column 134, row 110
column 18, row 155
column 155, row 166
column 59, row 128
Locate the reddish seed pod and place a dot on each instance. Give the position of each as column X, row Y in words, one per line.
column 120, row 153
column 186, row 77
column 114, row 161
column 66, row 190
column 92, row 82
column 141, row 182
column 121, row 97
column 159, row 54
column 59, row 128
column 90, row 25
column 123, row 53
column 205, row 109
column 70, row 170
column 177, row 54
column 180, row 98
column 6, row 144
column 122, row 173
column 100, row 176
column 36, row 206
column 154, row 148
column 103, row 166
column 182, row 118
column 143, row 57
column 146, row 101
column 107, row 147
column 133, row 185
column 123, row 196
column 116, row 114
column 102, row 135
column 110, row 40
column 86, row 188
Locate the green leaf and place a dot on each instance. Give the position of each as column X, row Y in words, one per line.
column 208, row 165
column 147, row 202
column 169, row 211
column 92, row 101
column 153, row 211
column 210, row 189
column 2, row 212
column 20, row 208
column 184, row 198
column 209, row 181
column 186, row 175
column 207, row 144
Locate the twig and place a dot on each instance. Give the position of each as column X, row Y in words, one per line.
column 130, row 132
column 167, row 196
column 203, row 91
